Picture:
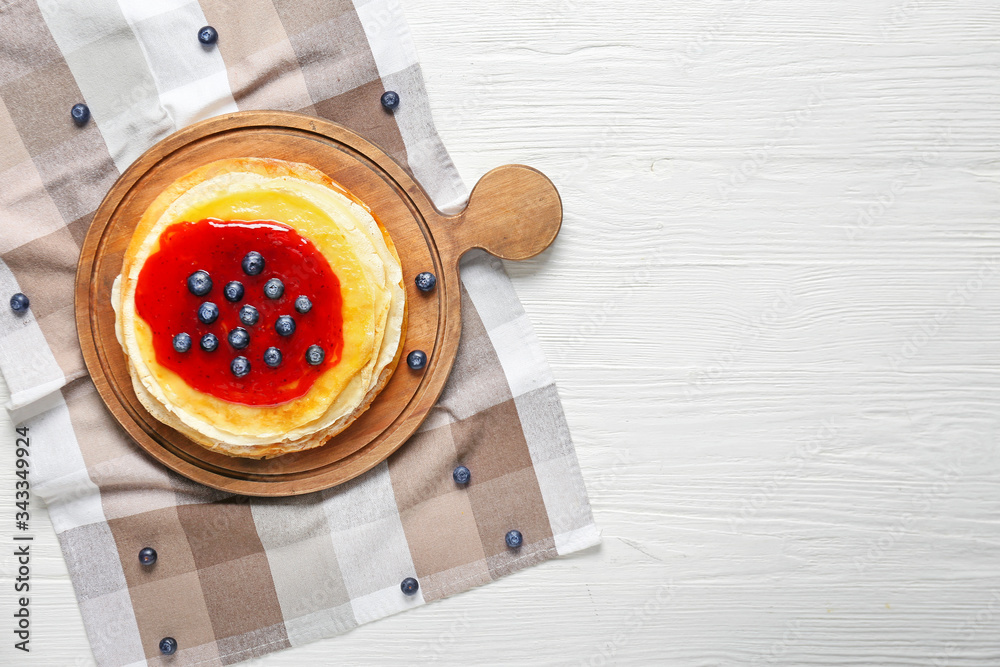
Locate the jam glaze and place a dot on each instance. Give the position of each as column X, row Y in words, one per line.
column 164, row 302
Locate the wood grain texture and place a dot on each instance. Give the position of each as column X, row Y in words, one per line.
column 772, row 313
column 514, row 212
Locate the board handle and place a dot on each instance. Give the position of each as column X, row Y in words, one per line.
column 514, row 212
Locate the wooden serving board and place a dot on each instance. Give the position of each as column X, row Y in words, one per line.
column 514, row 213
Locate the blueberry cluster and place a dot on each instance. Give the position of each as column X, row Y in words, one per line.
column 199, row 283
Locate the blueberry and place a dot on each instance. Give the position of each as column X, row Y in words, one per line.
column 315, row 355
column 514, row 539
column 272, row 357
column 80, row 114
column 253, row 263
column 425, row 281
column 209, row 342
column 234, row 291
column 240, row 366
column 285, row 325
column 239, row 338
column 182, row 342
column 249, row 315
column 168, row 646
column 199, row 283
column 303, row 304
column 409, row 586
column 19, row 303
column 390, row 100
column 274, row 288
column 147, row 556
column 461, row 475
column 208, row 312
column 208, row 35
column 416, row 359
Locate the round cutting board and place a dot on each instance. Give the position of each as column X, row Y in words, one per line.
column 514, row 212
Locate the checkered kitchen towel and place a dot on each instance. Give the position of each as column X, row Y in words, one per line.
column 240, row 577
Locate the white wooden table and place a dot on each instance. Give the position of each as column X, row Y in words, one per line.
column 773, row 313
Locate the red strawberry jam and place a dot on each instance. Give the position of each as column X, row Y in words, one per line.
column 164, row 301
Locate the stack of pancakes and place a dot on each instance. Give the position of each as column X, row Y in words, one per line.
column 359, row 252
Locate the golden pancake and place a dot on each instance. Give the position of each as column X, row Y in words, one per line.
column 315, row 238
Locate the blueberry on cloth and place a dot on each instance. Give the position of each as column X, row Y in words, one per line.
column 274, row 288
column 303, row 304
column 249, row 315
column 168, row 646
column 284, row 325
column 425, row 281
column 182, row 342
column 240, row 366
column 199, row 283
column 209, row 342
column 272, row 357
column 514, row 539
column 233, row 291
column 147, row 555
column 208, row 312
column 208, row 35
column 315, row 355
column 409, row 586
column 253, row 263
column 19, row 303
column 416, row 359
column 390, row 100
column 80, row 114
column 239, row 338
column 461, row 475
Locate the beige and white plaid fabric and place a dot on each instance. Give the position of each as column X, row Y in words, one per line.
column 239, row 577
